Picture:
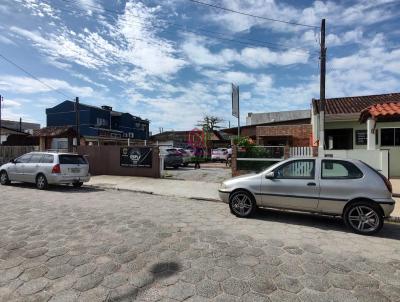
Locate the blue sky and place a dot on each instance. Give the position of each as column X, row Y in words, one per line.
column 153, row 59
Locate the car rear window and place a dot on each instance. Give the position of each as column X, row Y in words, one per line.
column 72, row 160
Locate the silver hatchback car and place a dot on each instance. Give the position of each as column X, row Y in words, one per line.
column 44, row 168
column 345, row 187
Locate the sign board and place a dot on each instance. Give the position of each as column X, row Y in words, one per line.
column 136, row 157
column 235, row 101
column 361, row 137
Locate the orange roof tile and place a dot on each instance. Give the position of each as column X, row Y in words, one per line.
column 379, row 111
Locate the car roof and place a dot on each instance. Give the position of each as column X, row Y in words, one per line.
column 52, row 153
column 327, row 158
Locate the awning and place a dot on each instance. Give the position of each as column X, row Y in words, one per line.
column 384, row 111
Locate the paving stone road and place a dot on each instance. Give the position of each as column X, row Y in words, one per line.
column 90, row 245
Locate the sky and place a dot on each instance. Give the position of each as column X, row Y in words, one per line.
column 173, row 61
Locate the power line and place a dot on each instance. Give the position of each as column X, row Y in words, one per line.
column 32, row 76
column 244, row 41
column 251, row 15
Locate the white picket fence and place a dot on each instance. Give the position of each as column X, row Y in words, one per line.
column 300, row 151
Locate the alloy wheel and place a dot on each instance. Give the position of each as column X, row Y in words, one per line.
column 41, row 182
column 242, row 204
column 3, row 178
column 364, row 218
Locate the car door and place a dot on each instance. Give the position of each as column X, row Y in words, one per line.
column 339, row 178
column 32, row 167
column 20, row 165
column 293, row 186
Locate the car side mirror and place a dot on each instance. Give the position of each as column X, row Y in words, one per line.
column 270, row 175
column 13, row 161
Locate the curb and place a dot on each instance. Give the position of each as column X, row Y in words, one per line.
column 152, row 193
column 391, row 219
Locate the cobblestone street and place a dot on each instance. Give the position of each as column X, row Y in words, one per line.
column 84, row 244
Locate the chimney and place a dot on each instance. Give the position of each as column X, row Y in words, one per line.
column 108, row 108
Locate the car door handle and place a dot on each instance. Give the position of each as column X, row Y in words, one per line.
column 311, row 184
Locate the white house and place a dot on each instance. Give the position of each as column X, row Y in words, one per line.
column 363, row 127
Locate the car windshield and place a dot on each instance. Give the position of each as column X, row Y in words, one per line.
column 72, row 160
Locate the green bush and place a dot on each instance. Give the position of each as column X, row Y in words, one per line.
column 254, row 166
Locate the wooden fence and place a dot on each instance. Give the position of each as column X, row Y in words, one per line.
column 9, row 152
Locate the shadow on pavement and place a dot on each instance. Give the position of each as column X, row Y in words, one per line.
column 58, row 188
column 159, row 270
column 327, row 223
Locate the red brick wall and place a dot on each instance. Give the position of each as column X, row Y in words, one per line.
column 300, row 134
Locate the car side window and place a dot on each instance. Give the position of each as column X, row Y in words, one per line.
column 297, row 169
column 339, row 169
column 35, row 158
column 23, row 159
column 47, row 159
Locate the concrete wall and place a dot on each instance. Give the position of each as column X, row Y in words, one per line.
column 268, row 117
column 394, row 152
column 378, row 159
column 105, row 160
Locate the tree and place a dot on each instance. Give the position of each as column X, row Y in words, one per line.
column 210, row 123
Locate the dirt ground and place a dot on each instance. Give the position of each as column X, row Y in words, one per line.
column 209, row 172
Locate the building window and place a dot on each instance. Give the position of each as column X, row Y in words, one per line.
column 101, row 122
column 125, row 135
column 390, row 137
column 131, row 135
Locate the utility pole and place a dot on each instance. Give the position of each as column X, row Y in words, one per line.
column 20, row 124
column 238, row 113
column 1, row 100
column 77, row 119
column 321, row 146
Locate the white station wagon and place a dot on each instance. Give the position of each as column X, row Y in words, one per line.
column 44, row 168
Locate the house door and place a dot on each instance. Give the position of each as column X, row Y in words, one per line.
column 339, row 139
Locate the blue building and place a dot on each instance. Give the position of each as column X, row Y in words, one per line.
column 98, row 123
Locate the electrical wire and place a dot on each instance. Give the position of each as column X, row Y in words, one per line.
column 201, row 31
column 251, row 15
column 32, row 76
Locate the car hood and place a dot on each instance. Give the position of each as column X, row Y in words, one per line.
column 236, row 179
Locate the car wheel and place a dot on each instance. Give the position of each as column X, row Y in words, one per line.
column 363, row 218
column 41, row 182
column 176, row 166
column 242, row 204
column 77, row 184
column 4, row 180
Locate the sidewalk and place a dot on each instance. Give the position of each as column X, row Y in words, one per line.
column 200, row 190
column 159, row 186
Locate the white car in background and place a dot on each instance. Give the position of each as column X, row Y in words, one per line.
column 46, row 168
column 219, row 154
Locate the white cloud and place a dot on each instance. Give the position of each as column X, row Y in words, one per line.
column 362, row 12
column 26, row 85
column 252, row 57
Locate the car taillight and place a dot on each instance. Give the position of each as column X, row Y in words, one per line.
column 56, row 169
column 388, row 184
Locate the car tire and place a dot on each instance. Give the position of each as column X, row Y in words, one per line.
column 242, row 204
column 41, row 182
column 4, row 180
column 77, row 184
column 363, row 217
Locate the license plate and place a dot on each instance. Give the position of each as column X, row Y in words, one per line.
column 75, row 170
